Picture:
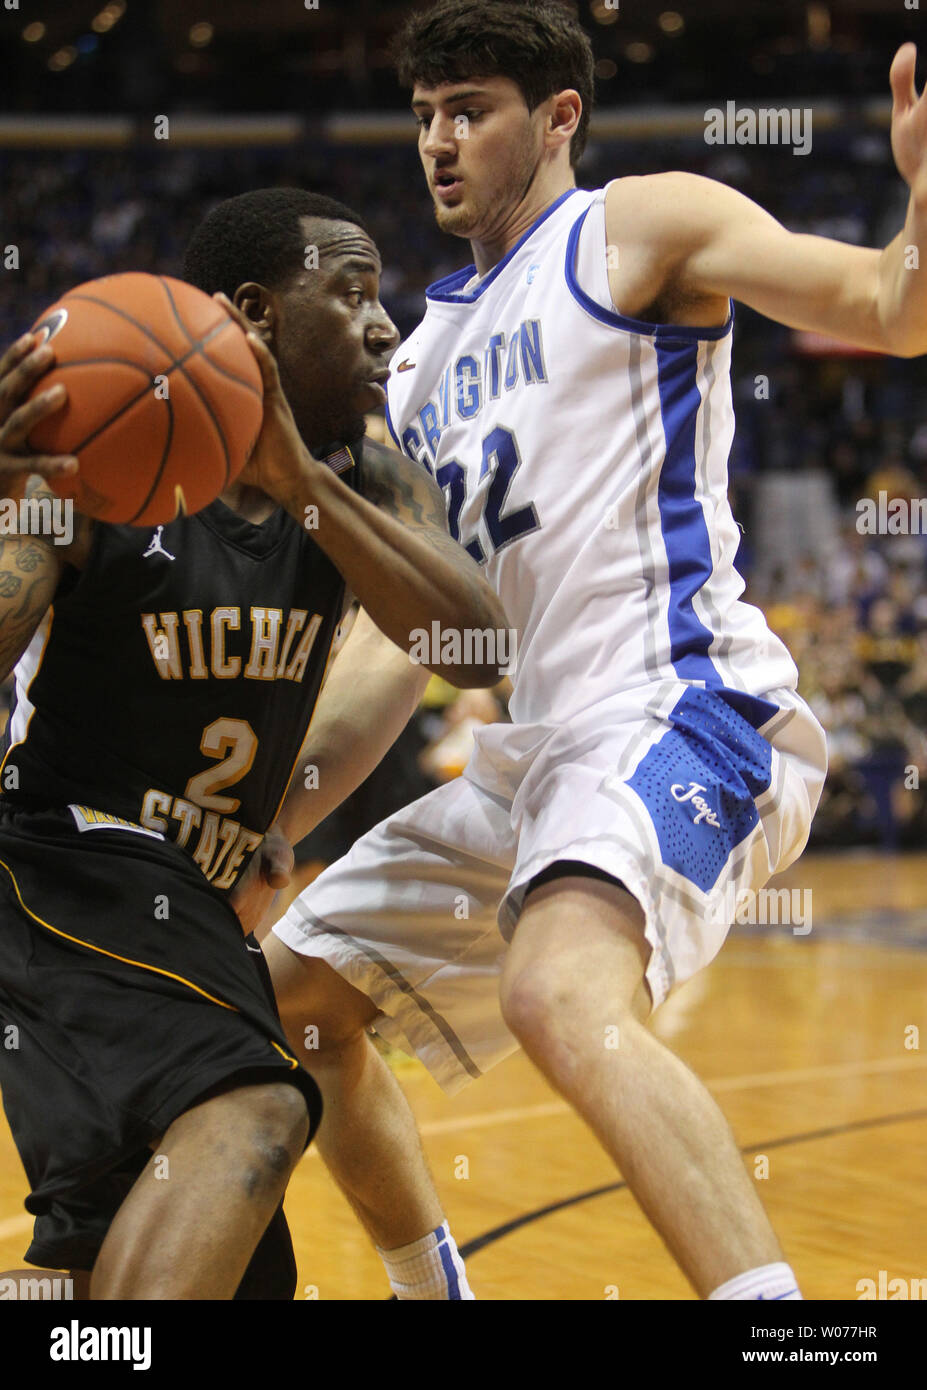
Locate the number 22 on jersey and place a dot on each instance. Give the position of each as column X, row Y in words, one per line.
column 502, row 460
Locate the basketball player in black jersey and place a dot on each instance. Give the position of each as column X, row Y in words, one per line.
column 164, row 685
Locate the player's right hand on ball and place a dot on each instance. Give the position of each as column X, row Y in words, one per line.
column 279, row 457
column 20, row 367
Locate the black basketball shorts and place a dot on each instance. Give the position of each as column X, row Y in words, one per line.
column 127, row 993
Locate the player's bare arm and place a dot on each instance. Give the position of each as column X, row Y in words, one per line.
column 391, row 546
column 397, row 532
column 686, row 244
column 403, row 489
column 30, row 565
column 370, row 695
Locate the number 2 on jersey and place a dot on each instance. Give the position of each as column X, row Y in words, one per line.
column 502, row 459
column 235, row 742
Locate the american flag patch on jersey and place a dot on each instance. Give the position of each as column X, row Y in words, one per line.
column 340, row 461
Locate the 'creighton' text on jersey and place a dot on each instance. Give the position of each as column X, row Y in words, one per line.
column 583, row 455
column 172, row 681
column 505, row 362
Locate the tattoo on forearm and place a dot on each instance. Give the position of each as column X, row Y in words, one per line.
column 411, row 495
column 28, row 559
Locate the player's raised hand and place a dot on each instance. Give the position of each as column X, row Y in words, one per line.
column 279, row 456
column 909, row 121
column 20, row 367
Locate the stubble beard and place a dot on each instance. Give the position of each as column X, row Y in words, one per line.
column 459, row 221
column 473, row 221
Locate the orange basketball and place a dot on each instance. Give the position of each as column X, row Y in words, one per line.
column 165, row 399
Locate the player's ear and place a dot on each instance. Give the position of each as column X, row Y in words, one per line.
column 256, row 303
column 564, row 112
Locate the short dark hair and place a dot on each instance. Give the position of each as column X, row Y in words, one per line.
column 537, row 43
column 256, row 236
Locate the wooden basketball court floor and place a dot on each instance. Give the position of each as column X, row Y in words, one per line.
column 808, row 1044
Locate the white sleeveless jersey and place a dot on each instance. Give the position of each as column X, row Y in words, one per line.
column 583, row 456
column 657, row 735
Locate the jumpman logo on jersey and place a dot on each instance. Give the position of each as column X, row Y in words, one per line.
column 156, row 548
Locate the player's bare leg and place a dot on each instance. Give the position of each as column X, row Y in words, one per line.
column 575, row 970
column 368, row 1138
column 189, row 1227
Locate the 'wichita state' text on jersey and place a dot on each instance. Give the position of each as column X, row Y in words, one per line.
column 172, row 681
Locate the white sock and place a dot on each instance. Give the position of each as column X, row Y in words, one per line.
column 428, row 1268
column 769, row 1282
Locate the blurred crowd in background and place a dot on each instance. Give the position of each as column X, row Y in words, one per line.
column 852, row 607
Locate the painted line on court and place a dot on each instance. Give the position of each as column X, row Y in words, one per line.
column 490, row 1237
column 831, row 1072
column 488, row 1119
column 19, row 1225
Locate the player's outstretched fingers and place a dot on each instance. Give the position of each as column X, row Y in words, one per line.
column 233, row 311
column 48, row 466
column 15, row 353
column 24, row 418
column 901, row 76
column 20, row 368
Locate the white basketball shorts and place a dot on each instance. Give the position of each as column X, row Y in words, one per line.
column 690, row 797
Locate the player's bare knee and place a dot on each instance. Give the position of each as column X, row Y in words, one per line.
column 334, row 1018
column 533, row 1000
column 546, row 1018
column 320, row 1011
column 282, row 1111
column 540, row 1004
column 277, row 1136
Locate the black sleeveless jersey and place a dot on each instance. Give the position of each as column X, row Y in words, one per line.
column 172, row 680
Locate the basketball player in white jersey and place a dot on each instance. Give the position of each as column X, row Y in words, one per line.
column 570, row 391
